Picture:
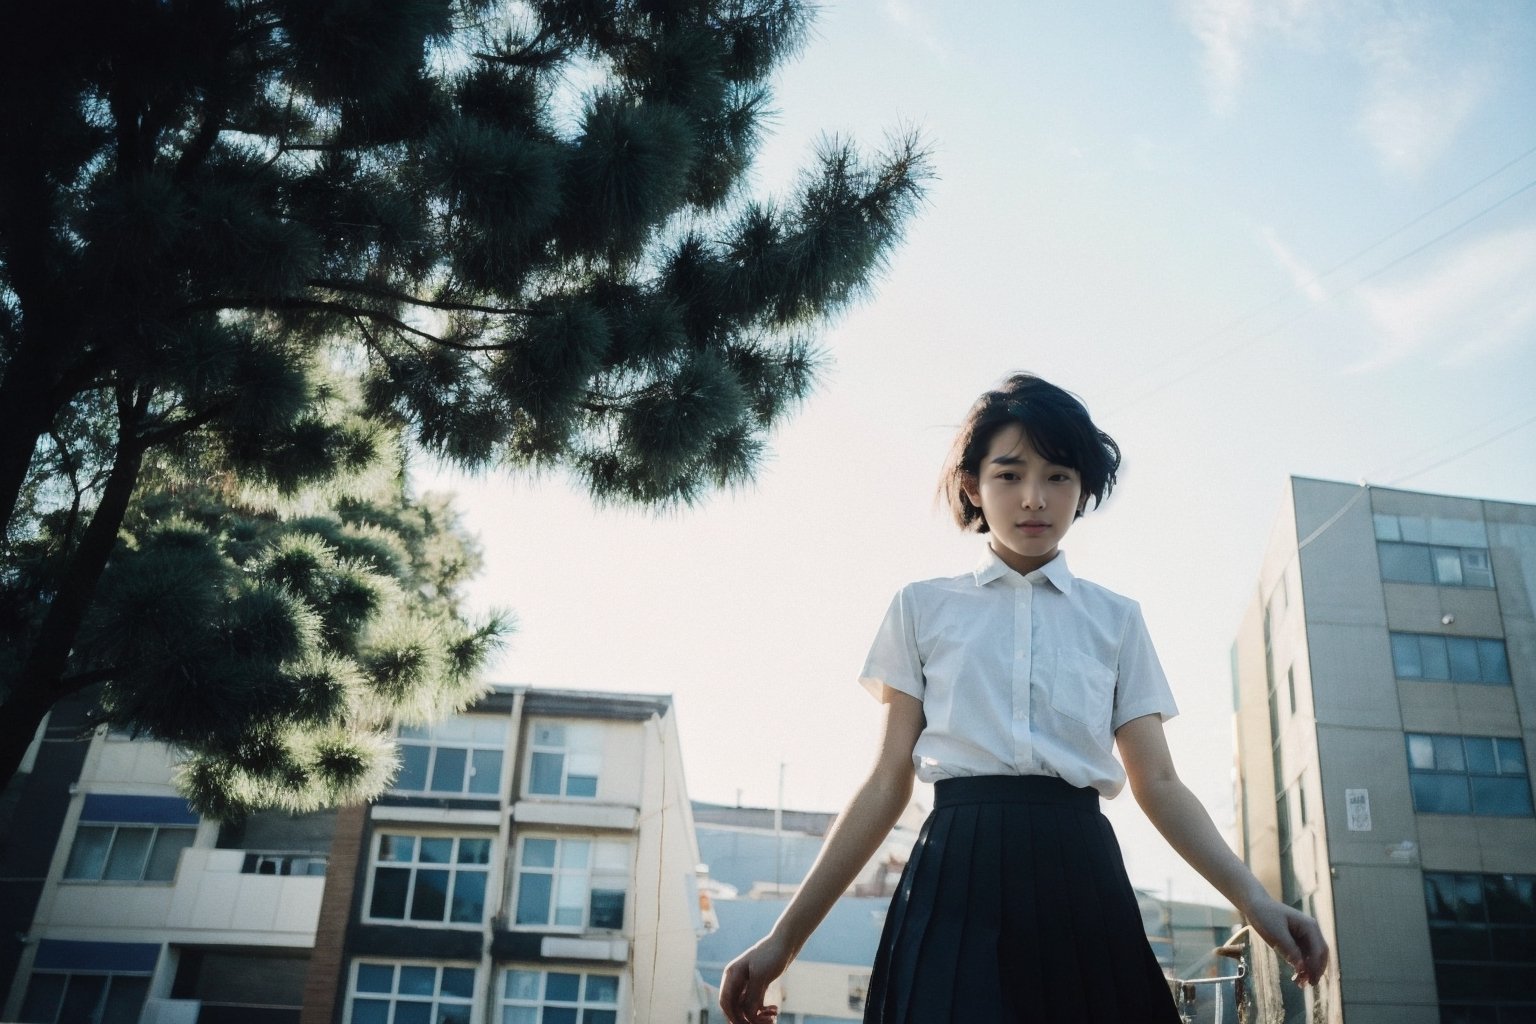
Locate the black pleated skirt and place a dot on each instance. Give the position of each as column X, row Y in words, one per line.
column 1015, row 907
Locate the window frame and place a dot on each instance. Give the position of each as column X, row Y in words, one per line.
column 430, row 738
column 1498, row 746
column 453, row 866
column 155, row 830
column 585, row 1008
column 1448, row 911
column 436, row 1001
column 1469, row 561
column 1488, row 673
column 590, row 874
column 100, row 1004
column 588, row 749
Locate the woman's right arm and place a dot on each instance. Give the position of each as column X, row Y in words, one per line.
column 858, row 832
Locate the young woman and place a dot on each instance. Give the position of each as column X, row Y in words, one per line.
column 1008, row 687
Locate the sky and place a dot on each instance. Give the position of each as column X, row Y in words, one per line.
column 1258, row 237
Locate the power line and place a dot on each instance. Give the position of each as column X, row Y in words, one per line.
column 1307, row 310
column 1467, row 451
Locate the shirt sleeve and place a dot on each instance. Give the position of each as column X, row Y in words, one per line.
column 1141, row 687
column 893, row 659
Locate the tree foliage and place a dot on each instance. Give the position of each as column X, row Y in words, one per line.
column 247, row 247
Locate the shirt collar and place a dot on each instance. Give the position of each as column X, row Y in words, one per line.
column 994, row 568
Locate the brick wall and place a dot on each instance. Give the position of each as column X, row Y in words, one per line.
column 327, row 965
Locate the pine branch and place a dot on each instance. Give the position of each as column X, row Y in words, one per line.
column 359, row 288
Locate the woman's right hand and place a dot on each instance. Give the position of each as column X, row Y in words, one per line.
column 746, row 980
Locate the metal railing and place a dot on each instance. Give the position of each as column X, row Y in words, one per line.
column 1250, row 984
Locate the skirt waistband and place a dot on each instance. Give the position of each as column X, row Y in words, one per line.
column 1011, row 789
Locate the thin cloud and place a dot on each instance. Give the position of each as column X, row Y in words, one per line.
column 1224, row 29
column 1474, row 303
column 914, row 21
column 1303, row 276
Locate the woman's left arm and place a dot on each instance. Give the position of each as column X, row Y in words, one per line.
column 1183, row 821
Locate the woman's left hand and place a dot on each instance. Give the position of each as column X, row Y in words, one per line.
column 1295, row 936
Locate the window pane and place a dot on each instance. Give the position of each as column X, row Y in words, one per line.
column 389, row 886
column 1440, row 896
column 417, row 981
column 1460, row 942
column 1504, row 795
column 82, row 997
column 88, row 855
column 581, row 785
column 1480, row 755
column 1463, row 652
column 485, row 772
column 413, row 768
column 1447, row 566
column 1448, row 754
column 599, row 1017
column 448, row 770
column 602, row 988
column 397, row 848
column 453, row 1013
column 474, row 851
column 125, row 1000
column 370, row 1011
column 1493, row 661
column 130, row 848
column 1511, row 756
column 607, row 908
column 435, row 850
column 562, row 987
column 413, row 1013
column 43, row 997
column 375, row 978
column 1405, row 656
column 167, row 849
column 430, row 900
column 519, row 1015
column 1421, row 751
column 533, row 892
column 1405, row 563
column 522, row 985
column 544, row 778
column 559, row 1015
column 468, row 896
column 1432, row 653
column 459, row 981
column 538, row 853
column 1414, row 528
column 570, row 900
column 454, row 730
column 1475, row 568
column 1440, row 794
column 1511, row 899
column 575, row 853
column 1386, row 527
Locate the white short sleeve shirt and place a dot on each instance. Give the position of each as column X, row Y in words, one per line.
column 1019, row 674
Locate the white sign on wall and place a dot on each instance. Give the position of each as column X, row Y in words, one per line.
column 1357, row 803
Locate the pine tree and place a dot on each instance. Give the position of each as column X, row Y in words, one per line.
column 247, row 246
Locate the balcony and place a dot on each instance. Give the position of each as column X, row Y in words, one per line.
column 219, row 896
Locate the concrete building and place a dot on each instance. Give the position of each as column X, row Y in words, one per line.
column 535, row 860
column 1384, row 678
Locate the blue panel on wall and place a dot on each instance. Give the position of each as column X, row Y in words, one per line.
column 97, row 957
column 146, row 810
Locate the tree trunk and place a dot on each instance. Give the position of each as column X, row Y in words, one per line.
column 40, row 682
column 27, row 407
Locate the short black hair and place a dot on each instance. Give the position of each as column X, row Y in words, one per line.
column 1056, row 423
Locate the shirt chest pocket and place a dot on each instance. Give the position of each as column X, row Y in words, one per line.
column 1083, row 689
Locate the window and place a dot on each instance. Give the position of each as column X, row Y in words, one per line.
column 460, row 755
column 572, row 883
column 436, row 879
column 563, row 759
column 99, row 998
column 1468, row 775
column 559, row 997
column 1456, row 659
column 1482, row 934
column 127, row 853
column 384, row 993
